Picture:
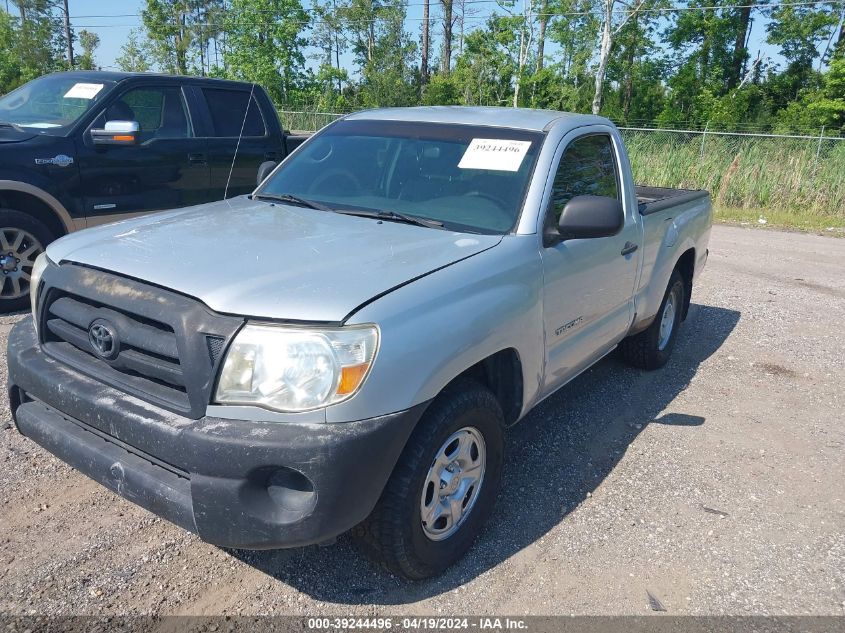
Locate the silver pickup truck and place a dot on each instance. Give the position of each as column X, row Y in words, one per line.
column 345, row 347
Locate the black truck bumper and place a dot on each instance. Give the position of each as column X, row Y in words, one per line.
column 245, row 484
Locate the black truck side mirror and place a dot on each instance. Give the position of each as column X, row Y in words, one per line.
column 117, row 133
column 264, row 170
column 587, row 217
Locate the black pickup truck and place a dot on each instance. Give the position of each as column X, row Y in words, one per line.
column 79, row 149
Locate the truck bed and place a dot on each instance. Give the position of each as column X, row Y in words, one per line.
column 654, row 199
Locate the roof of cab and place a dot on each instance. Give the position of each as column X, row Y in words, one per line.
column 107, row 75
column 516, row 118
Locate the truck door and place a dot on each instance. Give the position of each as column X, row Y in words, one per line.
column 166, row 169
column 228, row 110
column 588, row 282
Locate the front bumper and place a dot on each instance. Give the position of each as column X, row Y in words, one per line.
column 246, row 484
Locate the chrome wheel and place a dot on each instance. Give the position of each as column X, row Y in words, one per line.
column 453, row 483
column 667, row 321
column 18, row 250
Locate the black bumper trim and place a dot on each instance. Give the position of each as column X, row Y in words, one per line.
column 236, row 483
column 141, row 481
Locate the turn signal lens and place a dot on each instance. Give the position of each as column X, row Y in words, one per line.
column 351, row 377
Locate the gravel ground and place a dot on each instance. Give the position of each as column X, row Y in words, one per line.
column 714, row 486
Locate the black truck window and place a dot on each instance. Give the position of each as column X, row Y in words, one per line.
column 159, row 111
column 587, row 167
column 227, row 113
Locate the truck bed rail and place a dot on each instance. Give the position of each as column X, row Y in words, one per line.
column 654, row 199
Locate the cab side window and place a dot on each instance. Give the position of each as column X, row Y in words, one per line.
column 160, row 112
column 231, row 109
column 587, row 167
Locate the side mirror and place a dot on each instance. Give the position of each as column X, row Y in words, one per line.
column 264, row 170
column 589, row 216
column 117, row 133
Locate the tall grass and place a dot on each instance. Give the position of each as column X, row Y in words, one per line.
column 795, row 175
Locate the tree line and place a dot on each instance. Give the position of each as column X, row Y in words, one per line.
column 635, row 61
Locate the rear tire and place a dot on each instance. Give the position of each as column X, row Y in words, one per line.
column 651, row 348
column 460, row 436
column 22, row 239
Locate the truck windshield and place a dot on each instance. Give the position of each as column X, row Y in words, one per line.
column 469, row 178
column 52, row 103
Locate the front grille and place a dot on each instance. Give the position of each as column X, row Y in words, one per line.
column 160, row 346
column 147, row 350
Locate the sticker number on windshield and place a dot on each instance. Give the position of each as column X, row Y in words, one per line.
column 495, row 154
column 83, row 91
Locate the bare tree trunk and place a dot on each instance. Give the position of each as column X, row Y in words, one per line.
column 604, row 54
column 68, row 35
column 740, row 53
column 446, row 62
column 526, row 35
column 424, row 44
column 463, row 5
column 628, row 81
column 541, row 34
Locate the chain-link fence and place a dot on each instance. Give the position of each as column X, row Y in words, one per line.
column 741, row 169
column 305, row 121
column 744, row 170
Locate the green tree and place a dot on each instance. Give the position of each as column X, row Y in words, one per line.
column 167, row 23
column 89, row 42
column 10, row 69
column 133, row 55
column 486, row 70
column 36, row 41
column 798, row 31
column 264, row 44
column 823, row 107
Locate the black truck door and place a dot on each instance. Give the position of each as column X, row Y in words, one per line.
column 228, row 111
column 166, row 169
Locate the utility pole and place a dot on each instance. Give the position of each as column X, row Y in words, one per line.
column 68, row 36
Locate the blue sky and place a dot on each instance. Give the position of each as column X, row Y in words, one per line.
column 114, row 30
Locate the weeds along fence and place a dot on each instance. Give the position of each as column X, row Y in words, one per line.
column 742, row 170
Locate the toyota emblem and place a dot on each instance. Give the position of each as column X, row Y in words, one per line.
column 103, row 339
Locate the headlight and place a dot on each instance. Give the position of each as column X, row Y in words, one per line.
column 296, row 369
column 35, row 281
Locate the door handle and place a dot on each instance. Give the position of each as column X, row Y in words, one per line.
column 198, row 159
column 629, row 248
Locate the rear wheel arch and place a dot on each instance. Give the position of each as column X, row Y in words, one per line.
column 686, row 267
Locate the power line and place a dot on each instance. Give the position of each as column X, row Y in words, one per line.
column 658, row 10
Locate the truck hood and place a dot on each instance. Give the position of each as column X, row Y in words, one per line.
column 275, row 261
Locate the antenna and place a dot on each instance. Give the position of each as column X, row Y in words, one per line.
column 238, row 146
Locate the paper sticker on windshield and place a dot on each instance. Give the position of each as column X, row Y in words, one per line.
column 496, row 154
column 83, row 91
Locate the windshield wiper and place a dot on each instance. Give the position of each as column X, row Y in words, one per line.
column 14, row 126
column 393, row 216
column 291, row 199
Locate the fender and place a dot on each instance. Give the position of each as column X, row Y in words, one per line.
column 677, row 238
column 51, row 201
column 437, row 327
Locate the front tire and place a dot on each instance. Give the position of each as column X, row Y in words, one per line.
column 651, row 348
column 22, row 239
column 443, row 488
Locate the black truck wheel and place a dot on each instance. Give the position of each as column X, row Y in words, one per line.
column 22, row 239
column 443, row 488
column 651, row 348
